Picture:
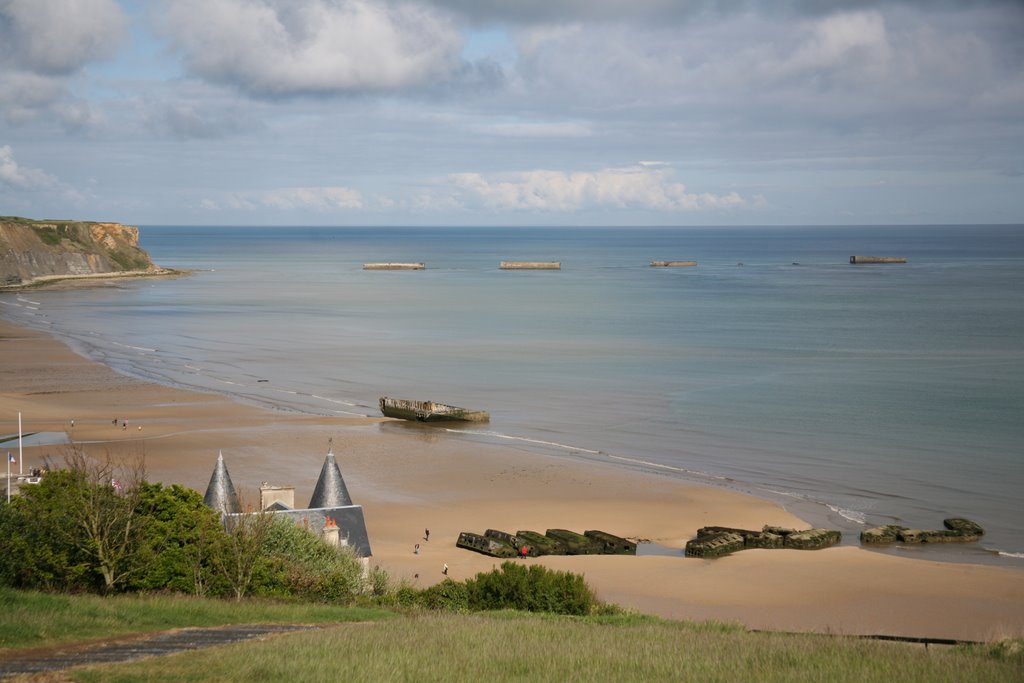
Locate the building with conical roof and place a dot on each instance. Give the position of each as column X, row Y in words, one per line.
column 220, row 494
column 330, row 508
column 330, row 491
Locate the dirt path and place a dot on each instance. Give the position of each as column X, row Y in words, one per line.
column 40, row 660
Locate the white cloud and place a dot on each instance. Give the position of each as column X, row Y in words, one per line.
column 45, row 43
column 840, row 39
column 23, row 94
column 641, row 186
column 17, row 177
column 58, row 36
column 329, row 198
column 536, row 130
column 285, row 47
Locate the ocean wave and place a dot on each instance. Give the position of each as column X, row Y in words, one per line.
column 1004, row 553
column 335, row 400
column 134, row 348
column 682, row 470
column 855, row 516
column 851, row 515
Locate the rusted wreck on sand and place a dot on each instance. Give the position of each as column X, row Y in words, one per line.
column 429, row 411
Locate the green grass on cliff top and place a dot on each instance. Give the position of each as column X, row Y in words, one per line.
column 418, row 646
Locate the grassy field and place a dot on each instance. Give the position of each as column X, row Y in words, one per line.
column 423, row 646
column 30, row 619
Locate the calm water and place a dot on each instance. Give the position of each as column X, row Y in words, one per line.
column 854, row 394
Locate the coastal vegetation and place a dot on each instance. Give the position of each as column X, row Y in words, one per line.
column 99, row 527
column 97, row 553
column 415, row 644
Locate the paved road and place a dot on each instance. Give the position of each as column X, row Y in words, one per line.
column 167, row 642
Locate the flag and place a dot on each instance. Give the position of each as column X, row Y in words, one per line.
column 10, row 457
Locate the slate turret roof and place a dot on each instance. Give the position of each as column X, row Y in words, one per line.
column 330, row 491
column 330, row 501
column 220, row 494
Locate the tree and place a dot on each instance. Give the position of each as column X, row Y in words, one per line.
column 40, row 550
column 178, row 537
column 104, row 513
column 241, row 555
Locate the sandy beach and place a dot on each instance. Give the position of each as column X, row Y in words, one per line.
column 409, row 478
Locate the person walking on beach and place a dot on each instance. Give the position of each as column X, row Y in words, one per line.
column 416, row 550
column 426, row 534
column 445, row 570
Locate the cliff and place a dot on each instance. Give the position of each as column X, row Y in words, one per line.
column 32, row 250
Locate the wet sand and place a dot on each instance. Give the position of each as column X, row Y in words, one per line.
column 409, row 478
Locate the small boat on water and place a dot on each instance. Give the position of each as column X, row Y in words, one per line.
column 429, row 411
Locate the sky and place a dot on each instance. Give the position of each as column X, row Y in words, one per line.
column 513, row 112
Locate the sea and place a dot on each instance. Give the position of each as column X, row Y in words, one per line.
column 855, row 395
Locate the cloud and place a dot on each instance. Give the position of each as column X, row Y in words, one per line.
column 289, row 47
column 58, row 37
column 642, row 186
column 190, row 118
column 675, row 12
column 17, row 177
column 329, row 198
column 45, row 43
column 841, row 37
column 747, row 72
column 536, row 130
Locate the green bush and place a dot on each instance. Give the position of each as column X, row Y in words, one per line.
column 38, row 529
column 180, row 536
column 532, row 588
column 126, row 260
column 301, row 565
column 448, row 595
column 402, row 595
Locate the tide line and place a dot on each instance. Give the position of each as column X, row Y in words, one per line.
column 647, row 463
column 334, row 400
column 541, row 442
column 135, row 348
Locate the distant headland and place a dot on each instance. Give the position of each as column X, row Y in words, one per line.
column 34, row 253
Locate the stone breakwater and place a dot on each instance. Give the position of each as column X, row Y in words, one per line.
column 958, row 530
column 497, row 543
column 715, row 541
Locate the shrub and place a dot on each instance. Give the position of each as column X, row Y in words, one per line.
column 533, row 588
column 301, row 565
column 448, row 595
column 180, row 535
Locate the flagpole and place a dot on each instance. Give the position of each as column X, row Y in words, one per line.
column 8, row 477
column 21, row 456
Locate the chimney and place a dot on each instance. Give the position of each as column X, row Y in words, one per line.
column 270, row 494
column 330, row 532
